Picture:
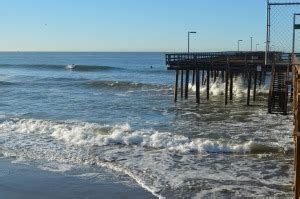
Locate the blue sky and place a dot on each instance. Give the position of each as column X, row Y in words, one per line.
column 130, row 25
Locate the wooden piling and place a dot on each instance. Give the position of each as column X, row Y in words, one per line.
column 297, row 167
column 193, row 79
column 187, row 84
column 203, row 77
column 255, row 83
column 231, row 86
column 181, row 86
column 226, row 87
column 223, row 76
column 215, row 75
column 207, row 85
column 264, row 77
column 176, row 86
column 197, row 86
column 249, row 88
column 260, row 78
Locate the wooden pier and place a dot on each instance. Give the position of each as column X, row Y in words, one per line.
column 296, row 121
column 207, row 67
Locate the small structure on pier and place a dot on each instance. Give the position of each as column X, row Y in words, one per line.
column 249, row 65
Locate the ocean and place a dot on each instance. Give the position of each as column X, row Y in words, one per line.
column 115, row 111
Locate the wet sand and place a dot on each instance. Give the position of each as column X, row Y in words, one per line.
column 28, row 182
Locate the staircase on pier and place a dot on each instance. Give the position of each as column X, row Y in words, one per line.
column 278, row 93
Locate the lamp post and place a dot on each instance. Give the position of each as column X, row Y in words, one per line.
column 256, row 46
column 239, row 44
column 187, row 71
column 251, row 43
column 190, row 32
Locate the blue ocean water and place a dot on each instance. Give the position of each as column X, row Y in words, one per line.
column 116, row 110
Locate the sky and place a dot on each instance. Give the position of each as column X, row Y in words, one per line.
column 130, row 25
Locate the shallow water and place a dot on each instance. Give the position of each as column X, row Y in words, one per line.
column 114, row 111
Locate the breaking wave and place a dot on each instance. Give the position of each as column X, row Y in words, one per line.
column 125, row 85
column 83, row 68
column 91, row 134
column 161, row 162
column 239, row 88
column 5, row 83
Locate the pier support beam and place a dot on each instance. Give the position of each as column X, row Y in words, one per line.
column 215, row 75
column 181, row 85
column 231, row 86
column 197, row 86
column 297, row 167
column 187, row 84
column 193, row 78
column 249, row 88
column 203, row 77
column 207, row 85
column 255, row 83
column 176, row 86
column 260, row 79
column 226, row 87
column 264, row 77
column 222, row 76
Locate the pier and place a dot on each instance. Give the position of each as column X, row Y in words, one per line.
column 206, row 67
column 278, row 62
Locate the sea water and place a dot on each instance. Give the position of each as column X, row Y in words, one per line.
column 116, row 110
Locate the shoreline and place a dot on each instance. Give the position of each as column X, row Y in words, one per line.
column 26, row 181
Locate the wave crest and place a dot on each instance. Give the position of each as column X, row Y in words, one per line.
column 125, row 85
column 79, row 67
column 91, row 134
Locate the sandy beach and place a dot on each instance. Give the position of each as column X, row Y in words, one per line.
column 22, row 181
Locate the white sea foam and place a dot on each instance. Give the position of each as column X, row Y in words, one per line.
column 56, row 167
column 89, row 134
column 161, row 162
column 239, row 88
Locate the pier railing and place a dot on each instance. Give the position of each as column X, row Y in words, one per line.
column 296, row 130
column 193, row 59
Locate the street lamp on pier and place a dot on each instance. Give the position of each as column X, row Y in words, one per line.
column 239, row 44
column 190, row 32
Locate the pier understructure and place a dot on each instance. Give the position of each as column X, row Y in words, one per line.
column 202, row 69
